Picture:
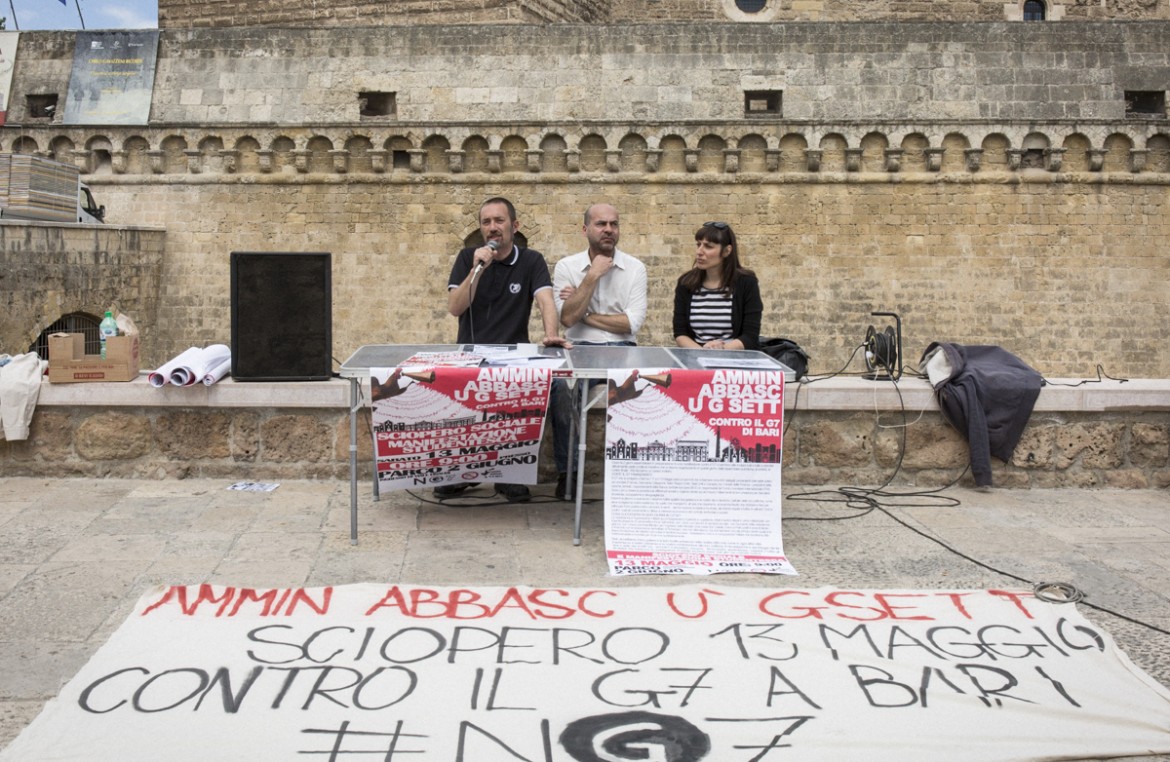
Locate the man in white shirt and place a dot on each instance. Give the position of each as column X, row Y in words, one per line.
column 600, row 294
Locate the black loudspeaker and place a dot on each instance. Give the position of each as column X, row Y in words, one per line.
column 282, row 316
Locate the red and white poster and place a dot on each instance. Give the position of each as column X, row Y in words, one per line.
column 446, row 425
column 692, row 480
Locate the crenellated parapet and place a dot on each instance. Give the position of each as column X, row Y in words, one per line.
column 618, row 149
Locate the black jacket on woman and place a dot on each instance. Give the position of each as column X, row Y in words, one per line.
column 747, row 309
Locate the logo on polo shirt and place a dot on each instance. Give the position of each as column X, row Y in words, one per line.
column 514, row 288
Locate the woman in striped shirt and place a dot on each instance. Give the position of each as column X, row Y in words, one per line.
column 717, row 303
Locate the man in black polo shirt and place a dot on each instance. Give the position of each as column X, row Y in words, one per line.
column 491, row 290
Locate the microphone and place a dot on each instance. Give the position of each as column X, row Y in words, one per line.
column 494, row 246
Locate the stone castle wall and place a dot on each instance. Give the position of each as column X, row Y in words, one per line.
column 49, row 270
column 179, row 14
column 983, row 180
column 683, row 78
column 1066, row 275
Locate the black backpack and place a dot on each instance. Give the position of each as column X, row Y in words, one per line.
column 787, row 352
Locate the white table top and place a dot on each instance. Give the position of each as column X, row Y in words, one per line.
column 584, row 361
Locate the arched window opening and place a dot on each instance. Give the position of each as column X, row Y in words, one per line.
column 751, row 6
column 76, row 322
column 1033, row 10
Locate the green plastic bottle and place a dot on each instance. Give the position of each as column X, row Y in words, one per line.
column 107, row 328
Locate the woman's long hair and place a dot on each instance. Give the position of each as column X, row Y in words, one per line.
column 718, row 233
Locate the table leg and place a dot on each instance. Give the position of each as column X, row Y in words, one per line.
column 355, row 394
column 579, row 483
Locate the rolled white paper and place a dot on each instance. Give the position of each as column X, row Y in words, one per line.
column 162, row 375
column 195, row 369
column 218, row 372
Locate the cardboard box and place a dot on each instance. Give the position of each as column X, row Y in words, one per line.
column 68, row 362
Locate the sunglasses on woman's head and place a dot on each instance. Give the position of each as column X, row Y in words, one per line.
column 716, row 225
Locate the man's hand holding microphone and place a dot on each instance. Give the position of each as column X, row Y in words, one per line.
column 484, row 256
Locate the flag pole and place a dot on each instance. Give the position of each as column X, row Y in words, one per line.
column 14, row 21
column 78, row 3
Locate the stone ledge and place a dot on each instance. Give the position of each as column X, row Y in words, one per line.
column 844, row 430
column 915, row 394
column 831, row 394
column 227, row 393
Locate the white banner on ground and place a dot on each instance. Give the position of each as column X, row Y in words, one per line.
column 692, row 472
column 672, row 674
column 446, row 425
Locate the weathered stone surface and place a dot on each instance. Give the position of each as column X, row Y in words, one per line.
column 177, row 14
column 833, row 445
column 1095, row 445
column 113, row 436
column 1079, row 479
column 1126, row 478
column 887, row 446
column 1036, row 446
column 808, row 475
column 821, row 448
column 189, row 435
column 1149, row 444
column 934, row 445
column 246, row 437
column 56, row 270
column 790, row 446
column 1047, row 480
column 295, row 438
column 1010, row 477
column 50, row 438
column 365, row 439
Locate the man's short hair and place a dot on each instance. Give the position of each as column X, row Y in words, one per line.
column 505, row 202
column 589, row 210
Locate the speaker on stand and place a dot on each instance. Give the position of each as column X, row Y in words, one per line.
column 883, row 350
column 282, row 316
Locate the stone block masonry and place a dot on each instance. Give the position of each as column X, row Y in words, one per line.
column 50, row 270
column 1065, row 275
column 842, row 431
column 985, row 180
column 175, row 14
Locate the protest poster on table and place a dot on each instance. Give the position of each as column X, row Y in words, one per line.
column 692, row 481
column 446, row 424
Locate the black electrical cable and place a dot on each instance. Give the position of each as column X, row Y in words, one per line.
column 490, row 501
column 1052, row 592
column 808, row 379
column 1101, row 375
column 472, row 288
column 867, row 500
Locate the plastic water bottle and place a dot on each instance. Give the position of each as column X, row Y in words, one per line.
column 107, row 328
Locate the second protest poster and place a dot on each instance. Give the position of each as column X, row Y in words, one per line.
column 449, row 425
column 692, row 482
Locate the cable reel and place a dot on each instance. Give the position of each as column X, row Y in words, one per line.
column 883, row 350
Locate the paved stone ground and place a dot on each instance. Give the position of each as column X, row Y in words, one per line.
column 77, row 554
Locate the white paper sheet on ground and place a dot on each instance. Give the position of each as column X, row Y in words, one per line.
column 188, row 373
column 162, row 376
column 675, row 674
